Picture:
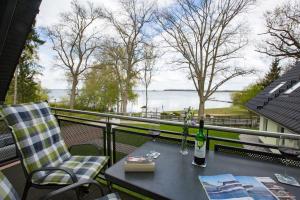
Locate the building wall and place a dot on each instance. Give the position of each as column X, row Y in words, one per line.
column 261, row 123
column 272, row 126
column 269, row 125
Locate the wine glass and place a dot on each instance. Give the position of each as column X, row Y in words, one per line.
column 289, row 149
column 155, row 133
column 187, row 122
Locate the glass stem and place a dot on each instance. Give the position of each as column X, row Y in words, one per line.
column 286, row 165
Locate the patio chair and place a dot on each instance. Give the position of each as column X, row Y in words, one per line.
column 43, row 153
column 8, row 192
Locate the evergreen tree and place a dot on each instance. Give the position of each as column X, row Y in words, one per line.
column 272, row 75
column 28, row 89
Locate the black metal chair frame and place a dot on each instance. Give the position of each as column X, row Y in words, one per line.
column 72, row 187
column 29, row 176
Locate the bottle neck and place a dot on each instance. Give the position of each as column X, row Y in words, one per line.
column 201, row 124
column 201, row 129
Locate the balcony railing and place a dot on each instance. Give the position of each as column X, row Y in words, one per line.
column 118, row 135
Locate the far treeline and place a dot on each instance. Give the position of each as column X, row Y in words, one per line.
column 203, row 38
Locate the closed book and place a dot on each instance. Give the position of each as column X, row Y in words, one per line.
column 140, row 167
column 137, row 159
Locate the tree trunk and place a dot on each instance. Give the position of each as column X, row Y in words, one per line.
column 201, row 110
column 16, row 86
column 118, row 105
column 124, row 102
column 73, row 92
column 125, row 98
column 146, row 101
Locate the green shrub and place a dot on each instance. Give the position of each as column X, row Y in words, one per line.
column 164, row 113
column 177, row 114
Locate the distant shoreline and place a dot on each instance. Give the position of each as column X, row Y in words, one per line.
column 170, row 90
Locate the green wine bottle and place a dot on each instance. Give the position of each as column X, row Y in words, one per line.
column 200, row 145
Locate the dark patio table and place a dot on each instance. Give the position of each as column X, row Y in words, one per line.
column 176, row 178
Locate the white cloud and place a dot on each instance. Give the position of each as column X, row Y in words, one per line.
column 54, row 78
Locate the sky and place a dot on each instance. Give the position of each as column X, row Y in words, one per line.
column 167, row 78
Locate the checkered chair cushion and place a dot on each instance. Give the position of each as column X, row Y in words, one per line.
column 38, row 139
column 112, row 196
column 85, row 167
column 7, row 192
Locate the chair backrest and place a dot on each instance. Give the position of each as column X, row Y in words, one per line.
column 37, row 135
column 7, row 192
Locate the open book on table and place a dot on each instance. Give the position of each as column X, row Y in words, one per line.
column 229, row 187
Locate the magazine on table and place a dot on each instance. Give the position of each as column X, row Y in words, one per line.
column 224, row 186
column 229, row 187
column 280, row 192
column 255, row 189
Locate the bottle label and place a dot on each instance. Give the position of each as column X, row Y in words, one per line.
column 200, row 151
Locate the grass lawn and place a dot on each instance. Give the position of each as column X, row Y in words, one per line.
column 232, row 111
column 228, row 111
column 86, row 116
column 136, row 140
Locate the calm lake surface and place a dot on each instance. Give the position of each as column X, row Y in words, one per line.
column 161, row 100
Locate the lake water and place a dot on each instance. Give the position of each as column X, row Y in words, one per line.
column 162, row 100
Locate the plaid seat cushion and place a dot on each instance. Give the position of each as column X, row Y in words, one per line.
column 112, row 196
column 7, row 192
column 37, row 135
column 84, row 167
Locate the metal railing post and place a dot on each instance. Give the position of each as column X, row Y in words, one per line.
column 207, row 140
column 114, row 146
column 104, row 141
column 108, row 132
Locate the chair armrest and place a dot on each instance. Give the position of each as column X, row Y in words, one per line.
column 71, row 187
column 67, row 171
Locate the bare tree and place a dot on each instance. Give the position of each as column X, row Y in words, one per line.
column 75, row 41
column 207, row 36
column 131, row 26
column 283, row 32
column 148, row 70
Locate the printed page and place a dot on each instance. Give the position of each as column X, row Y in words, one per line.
column 255, row 188
column 280, row 192
column 224, row 187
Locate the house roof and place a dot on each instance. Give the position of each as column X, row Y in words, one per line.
column 280, row 101
column 16, row 19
